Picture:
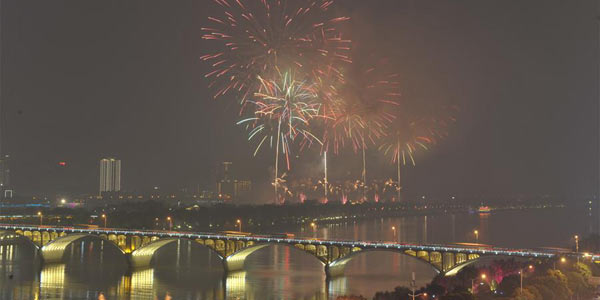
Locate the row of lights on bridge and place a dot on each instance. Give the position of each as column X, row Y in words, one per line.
column 169, row 219
column 314, row 226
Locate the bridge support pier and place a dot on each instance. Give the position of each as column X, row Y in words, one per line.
column 333, row 270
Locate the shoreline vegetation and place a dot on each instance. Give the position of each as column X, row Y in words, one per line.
column 501, row 280
column 559, row 279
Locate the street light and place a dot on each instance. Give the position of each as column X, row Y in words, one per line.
column 41, row 217
column 554, row 262
column 170, row 223
column 483, row 277
column 104, row 217
column 562, row 261
column 394, row 230
column 530, row 267
column 577, row 247
column 239, row 222
column 313, row 226
column 476, row 232
column 413, row 286
column 521, row 273
column 413, row 295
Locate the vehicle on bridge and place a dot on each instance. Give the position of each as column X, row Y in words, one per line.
column 235, row 233
column 484, row 210
column 475, row 245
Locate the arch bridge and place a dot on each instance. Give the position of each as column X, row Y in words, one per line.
column 140, row 246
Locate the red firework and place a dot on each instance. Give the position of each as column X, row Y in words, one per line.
column 254, row 36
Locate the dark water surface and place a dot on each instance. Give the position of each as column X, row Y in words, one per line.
column 277, row 272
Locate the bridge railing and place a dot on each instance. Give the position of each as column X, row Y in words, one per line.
column 266, row 239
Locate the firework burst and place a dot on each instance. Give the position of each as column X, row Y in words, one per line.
column 360, row 109
column 253, row 36
column 283, row 110
column 415, row 131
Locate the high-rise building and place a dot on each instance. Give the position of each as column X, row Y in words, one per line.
column 229, row 187
column 241, row 188
column 5, row 187
column 225, row 172
column 110, row 175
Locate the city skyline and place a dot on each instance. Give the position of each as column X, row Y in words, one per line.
column 300, row 149
column 520, row 127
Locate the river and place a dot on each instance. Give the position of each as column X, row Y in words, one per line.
column 280, row 272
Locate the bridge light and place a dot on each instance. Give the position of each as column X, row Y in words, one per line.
column 170, row 223
column 562, row 259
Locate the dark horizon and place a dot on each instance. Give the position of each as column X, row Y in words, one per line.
column 84, row 80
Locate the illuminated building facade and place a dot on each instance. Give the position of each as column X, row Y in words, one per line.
column 5, row 187
column 110, row 175
column 229, row 188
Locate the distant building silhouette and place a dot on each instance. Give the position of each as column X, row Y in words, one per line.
column 110, row 175
column 230, row 188
column 5, row 185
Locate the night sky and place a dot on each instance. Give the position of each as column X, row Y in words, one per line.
column 85, row 79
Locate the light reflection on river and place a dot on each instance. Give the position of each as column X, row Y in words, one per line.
column 277, row 272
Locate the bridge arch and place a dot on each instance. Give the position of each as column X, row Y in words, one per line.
column 439, row 261
column 54, row 251
column 235, row 261
column 143, row 257
column 475, row 259
column 9, row 237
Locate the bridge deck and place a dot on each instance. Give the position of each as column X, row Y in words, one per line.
column 268, row 239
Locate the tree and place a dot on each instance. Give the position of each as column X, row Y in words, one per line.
column 458, row 296
column 509, row 284
column 558, row 275
column 350, row 298
column 584, row 270
column 529, row 293
column 578, row 285
column 466, row 274
column 544, row 292
column 435, row 289
column 399, row 293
